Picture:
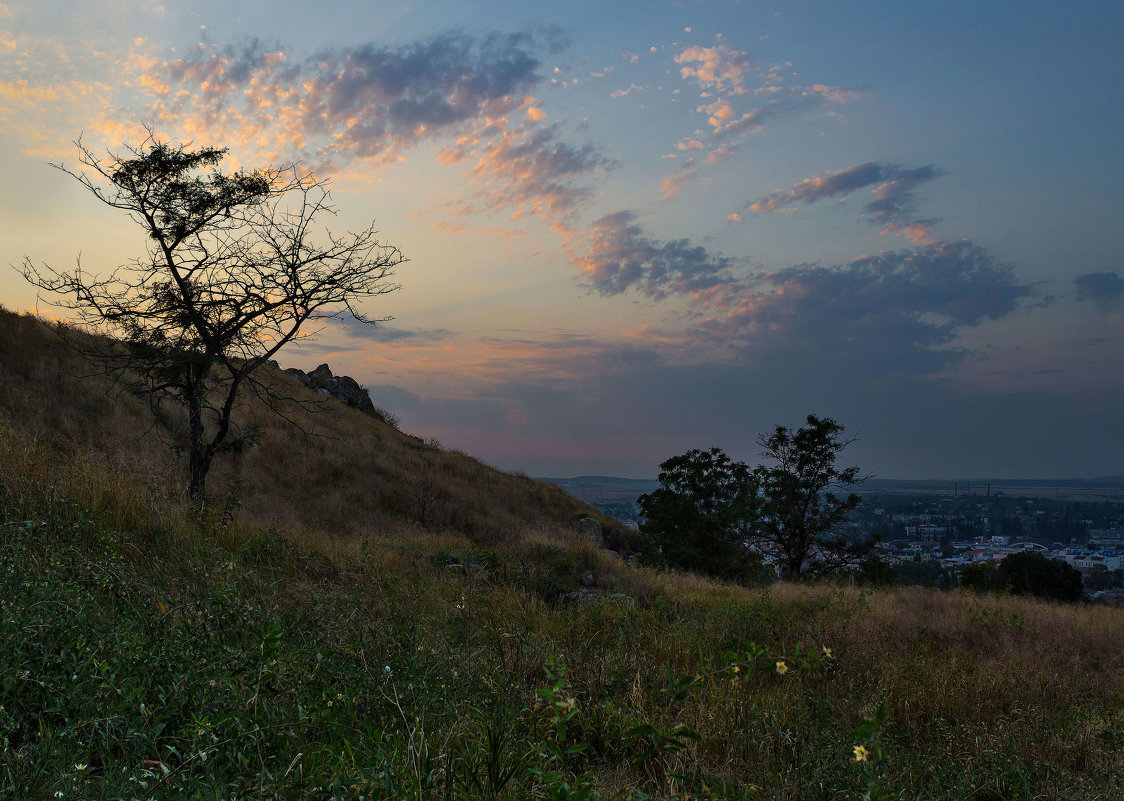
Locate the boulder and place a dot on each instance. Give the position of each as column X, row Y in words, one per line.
column 348, row 390
column 343, row 387
column 300, row 375
column 320, row 376
column 589, row 527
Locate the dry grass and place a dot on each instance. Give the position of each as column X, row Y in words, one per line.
column 988, row 697
column 320, row 467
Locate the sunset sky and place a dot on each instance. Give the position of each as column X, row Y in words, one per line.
column 642, row 226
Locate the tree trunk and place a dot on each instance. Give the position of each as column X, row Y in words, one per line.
column 199, row 459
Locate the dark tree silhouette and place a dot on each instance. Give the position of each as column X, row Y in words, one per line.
column 235, row 266
column 702, row 515
column 801, row 514
column 1033, row 573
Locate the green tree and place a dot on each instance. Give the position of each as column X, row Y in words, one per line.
column 235, row 266
column 702, row 515
column 801, row 514
column 876, row 571
column 978, row 577
column 1033, row 573
column 1098, row 577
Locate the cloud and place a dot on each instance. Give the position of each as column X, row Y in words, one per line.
column 894, row 206
column 672, row 186
column 371, row 103
column 890, row 312
column 919, row 232
column 894, row 198
column 364, row 102
column 730, row 103
column 527, row 170
column 1099, row 285
column 381, row 332
column 719, row 69
column 897, row 311
column 895, row 201
column 619, row 257
column 831, row 184
column 427, row 412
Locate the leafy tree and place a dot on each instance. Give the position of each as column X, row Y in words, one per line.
column 876, row 571
column 1098, row 577
column 232, row 272
column 1033, row 573
column 978, row 576
column 801, row 514
column 702, row 515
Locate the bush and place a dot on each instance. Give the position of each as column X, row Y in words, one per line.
column 977, row 577
column 1026, row 573
column 1031, row 573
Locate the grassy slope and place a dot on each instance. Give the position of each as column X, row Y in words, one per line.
column 150, row 650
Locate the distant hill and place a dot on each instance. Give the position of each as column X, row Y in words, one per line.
column 1106, row 488
column 602, row 490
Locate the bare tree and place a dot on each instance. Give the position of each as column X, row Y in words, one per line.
column 236, row 264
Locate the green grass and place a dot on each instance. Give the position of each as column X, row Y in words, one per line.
column 187, row 658
column 153, row 650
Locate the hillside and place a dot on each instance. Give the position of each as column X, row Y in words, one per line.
column 309, row 635
column 324, row 470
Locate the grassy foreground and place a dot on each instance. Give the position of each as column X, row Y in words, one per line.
column 359, row 614
column 152, row 652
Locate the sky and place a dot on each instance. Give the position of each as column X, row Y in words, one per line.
column 644, row 226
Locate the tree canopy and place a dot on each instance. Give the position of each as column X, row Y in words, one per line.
column 702, row 515
column 1025, row 573
column 716, row 515
column 1033, row 573
column 801, row 514
column 235, row 265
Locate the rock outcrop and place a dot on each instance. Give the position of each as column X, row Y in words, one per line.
column 342, row 387
column 589, row 527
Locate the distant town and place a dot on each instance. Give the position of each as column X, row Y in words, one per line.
column 929, row 531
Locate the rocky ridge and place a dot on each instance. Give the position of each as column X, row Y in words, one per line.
column 341, row 387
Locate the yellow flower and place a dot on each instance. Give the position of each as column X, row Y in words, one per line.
column 861, row 754
column 782, row 668
column 827, row 652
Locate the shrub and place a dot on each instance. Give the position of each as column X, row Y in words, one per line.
column 1025, row 573
column 1032, row 573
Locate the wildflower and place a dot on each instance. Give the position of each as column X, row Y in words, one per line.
column 782, row 668
column 861, row 754
column 387, row 668
column 81, row 766
column 737, row 669
column 827, row 652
